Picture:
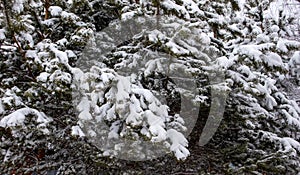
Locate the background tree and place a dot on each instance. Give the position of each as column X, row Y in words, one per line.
column 41, row 82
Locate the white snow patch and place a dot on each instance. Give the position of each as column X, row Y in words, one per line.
column 9, row 48
column 18, row 6
column 290, row 144
column 62, row 56
column 33, row 54
column 84, row 109
column 85, row 115
column 262, row 38
column 43, row 77
column 113, row 134
column 192, row 7
column 127, row 15
column 1, row 107
column 273, row 59
column 27, row 37
column 295, row 59
column 179, row 144
column 76, row 130
column 62, row 42
column 224, row 62
column 69, row 16
column 205, row 39
column 275, row 28
column 55, row 10
column 17, row 118
column 2, row 34
column 171, row 5
column 281, row 45
column 157, row 126
column 251, row 50
column 50, row 22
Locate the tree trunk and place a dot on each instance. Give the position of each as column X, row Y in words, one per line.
column 198, row 128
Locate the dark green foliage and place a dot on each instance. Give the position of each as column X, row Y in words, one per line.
column 39, row 52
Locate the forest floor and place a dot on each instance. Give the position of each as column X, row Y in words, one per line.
column 202, row 160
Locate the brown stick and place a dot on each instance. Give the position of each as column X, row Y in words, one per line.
column 46, row 6
column 157, row 13
column 18, row 45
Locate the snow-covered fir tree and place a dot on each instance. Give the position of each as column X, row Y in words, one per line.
column 78, row 73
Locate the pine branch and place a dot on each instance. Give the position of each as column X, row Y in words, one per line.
column 11, row 28
column 39, row 25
